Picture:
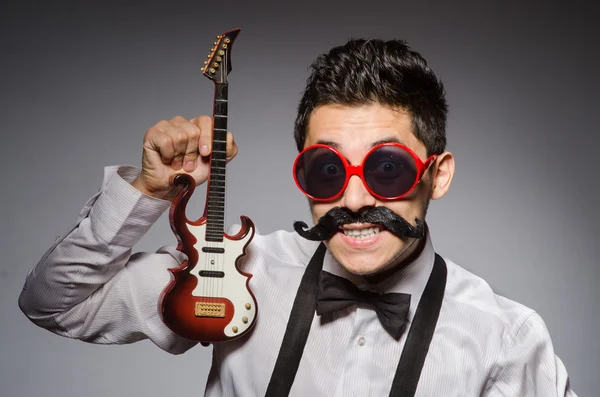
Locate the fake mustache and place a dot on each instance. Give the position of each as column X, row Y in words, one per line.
column 330, row 223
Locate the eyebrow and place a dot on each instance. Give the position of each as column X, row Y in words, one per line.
column 379, row 142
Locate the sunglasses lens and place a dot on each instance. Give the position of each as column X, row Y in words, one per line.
column 320, row 173
column 390, row 171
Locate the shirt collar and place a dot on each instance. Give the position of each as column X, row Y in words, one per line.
column 411, row 279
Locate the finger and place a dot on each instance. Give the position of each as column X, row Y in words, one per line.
column 205, row 125
column 180, row 138
column 232, row 149
column 158, row 141
column 193, row 135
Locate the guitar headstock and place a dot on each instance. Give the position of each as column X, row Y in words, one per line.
column 218, row 65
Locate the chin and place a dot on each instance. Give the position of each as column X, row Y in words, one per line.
column 366, row 257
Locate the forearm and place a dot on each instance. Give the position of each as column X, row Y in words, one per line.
column 85, row 286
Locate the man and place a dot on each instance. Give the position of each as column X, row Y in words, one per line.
column 371, row 135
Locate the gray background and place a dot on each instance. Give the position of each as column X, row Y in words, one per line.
column 81, row 83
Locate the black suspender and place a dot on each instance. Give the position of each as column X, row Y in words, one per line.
column 298, row 327
column 420, row 334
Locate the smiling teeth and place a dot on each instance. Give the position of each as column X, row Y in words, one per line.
column 362, row 233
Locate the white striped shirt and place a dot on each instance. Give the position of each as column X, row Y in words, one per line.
column 89, row 286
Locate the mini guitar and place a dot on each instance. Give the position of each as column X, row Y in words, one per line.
column 208, row 298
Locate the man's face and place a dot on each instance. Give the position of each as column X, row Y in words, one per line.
column 354, row 130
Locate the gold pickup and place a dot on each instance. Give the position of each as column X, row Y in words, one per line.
column 205, row 309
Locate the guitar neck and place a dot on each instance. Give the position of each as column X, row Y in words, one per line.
column 215, row 198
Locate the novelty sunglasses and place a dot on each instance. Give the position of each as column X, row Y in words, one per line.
column 389, row 171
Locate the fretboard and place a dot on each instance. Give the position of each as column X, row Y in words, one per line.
column 215, row 198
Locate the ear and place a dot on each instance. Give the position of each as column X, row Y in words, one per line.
column 443, row 173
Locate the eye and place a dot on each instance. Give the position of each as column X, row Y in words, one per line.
column 388, row 167
column 330, row 169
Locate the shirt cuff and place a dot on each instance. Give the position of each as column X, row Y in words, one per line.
column 122, row 214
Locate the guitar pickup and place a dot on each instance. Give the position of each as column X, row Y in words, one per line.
column 213, row 250
column 211, row 273
column 204, row 309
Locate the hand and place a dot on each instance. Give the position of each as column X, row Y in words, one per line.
column 174, row 147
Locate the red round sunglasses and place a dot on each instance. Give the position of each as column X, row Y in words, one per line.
column 389, row 171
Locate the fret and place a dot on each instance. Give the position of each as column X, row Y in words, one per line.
column 221, row 100
column 220, row 107
column 221, row 115
column 221, row 145
column 219, row 123
column 215, row 232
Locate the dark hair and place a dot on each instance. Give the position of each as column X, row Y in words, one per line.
column 376, row 71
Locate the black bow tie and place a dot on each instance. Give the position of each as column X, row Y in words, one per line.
column 336, row 293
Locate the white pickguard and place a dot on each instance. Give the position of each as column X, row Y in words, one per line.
column 232, row 286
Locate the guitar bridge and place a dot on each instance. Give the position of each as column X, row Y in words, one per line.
column 205, row 309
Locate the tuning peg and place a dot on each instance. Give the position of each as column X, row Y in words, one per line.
column 212, row 70
column 219, row 36
column 221, row 52
column 224, row 46
column 215, row 43
column 218, row 58
column 216, row 65
column 208, row 56
column 205, row 62
column 227, row 40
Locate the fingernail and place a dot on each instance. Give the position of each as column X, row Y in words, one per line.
column 177, row 165
column 204, row 150
column 189, row 166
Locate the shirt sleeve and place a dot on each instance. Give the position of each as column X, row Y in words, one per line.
column 528, row 366
column 89, row 285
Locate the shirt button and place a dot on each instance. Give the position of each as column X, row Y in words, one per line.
column 361, row 341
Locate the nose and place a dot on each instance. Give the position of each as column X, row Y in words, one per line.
column 356, row 195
